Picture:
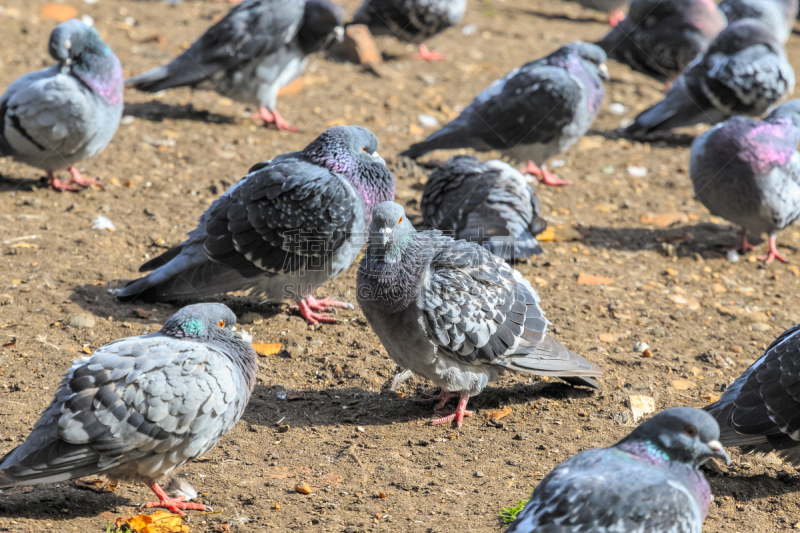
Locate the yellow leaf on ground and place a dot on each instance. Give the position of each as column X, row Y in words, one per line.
column 588, row 279
column 265, row 350
column 497, row 414
column 158, row 522
column 559, row 233
column 58, row 12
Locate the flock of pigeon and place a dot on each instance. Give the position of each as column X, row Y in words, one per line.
column 446, row 302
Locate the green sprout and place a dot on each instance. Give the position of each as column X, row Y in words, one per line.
column 509, row 514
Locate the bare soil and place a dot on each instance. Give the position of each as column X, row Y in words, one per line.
column 367, row 453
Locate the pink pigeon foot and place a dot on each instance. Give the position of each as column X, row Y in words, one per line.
column 442, row 397
column 309, row 308
column 543, row 175
column 744, row 245
column 76, row 183
column 457, row 416
column 773, row 252
column 172, row 504
column 615, row 17
column 273, row 117
column 429, row 55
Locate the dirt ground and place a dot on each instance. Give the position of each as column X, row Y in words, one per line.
column 366, row 452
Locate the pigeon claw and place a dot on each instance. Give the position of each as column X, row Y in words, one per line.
column 309, row 308
column 773, row 252
column 744, row 245
column 543, row 175
column 273, row 117
column 615, row 17
column 457, row 416
column 429, row 55
column 76, row 183
column 174, row 505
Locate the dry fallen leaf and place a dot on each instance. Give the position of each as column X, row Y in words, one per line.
column 709, row 397
column 497, row 414
column 58, row 12
column 97, row 485
column 665, row 219
column 559, row 233
column 640, row 406
column 158, row 522
column 589, row 279
column 303, row 488
column 265, row 350
column 11, row 343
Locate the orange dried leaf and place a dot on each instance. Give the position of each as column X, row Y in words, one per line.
column 559, row 233
column 589, row 279
column 497, row 414
column 11, row 343
column 158, row 522
column 665, row 219
column 266, row 350
column 58, row 12
column 303, row 488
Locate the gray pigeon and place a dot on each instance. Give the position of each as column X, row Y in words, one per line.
column 413, row 21
column 533, row 113
column 649, row 482
column 743, row 72
column 759, row 410
column 777, row 15
column 257, row 48
column 661, row 37
column 488, row 203
column 139, row 407
column 612, row 8
column 453, row 313
column 59, row 116
column 748, row 171
column 283, row 230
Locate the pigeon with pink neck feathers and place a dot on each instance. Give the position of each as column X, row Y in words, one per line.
column 649, row 482
column 57, row 117
column 286, row 228
column 777, row 15
column 748, row 171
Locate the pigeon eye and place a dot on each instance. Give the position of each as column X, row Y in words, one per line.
column 400, row 221
column 221, row 323
column 690, row 430
column 364, row 149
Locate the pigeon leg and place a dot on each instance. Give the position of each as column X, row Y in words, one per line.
column 773, row 252
column 77, row 182
column 80, row 180
column 59, row 185
column 543, row 175
column 308, row 307
column 458, row 415
column 744, row 245
column 615, row 17
column 173, row 504
column 442, row 398
column 273, row 117
column 429, row 55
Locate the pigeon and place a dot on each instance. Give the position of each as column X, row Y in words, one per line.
column 777, row 15
column 413, row 21
column 743, row 72
column 534, row 112
column 453, row 313
column 139, row 407
column 661, row 37
column 54, row 118
column 257, row 48
column 488, row 203
column 748, row 171
column 649, row 482
column 758, row 412
column 290, row 225
column 612, row 8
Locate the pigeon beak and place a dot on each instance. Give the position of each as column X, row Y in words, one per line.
column 338, row 31
column 385, row 234
column 381, row 160
column 604, row 71
column 67, row 44
column 719, row 451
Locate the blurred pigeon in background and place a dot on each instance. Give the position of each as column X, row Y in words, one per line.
column 648, row 482
column 453, row 313
column 660, row 37
column 257, row 48
column 138, row 408
column 414, row 21
column 533, row 113
column 488, row 203
column 743, row 72
column 612, row 8
column 748, row 171
column 59, row 116
column 777, row 15
column 289, row 226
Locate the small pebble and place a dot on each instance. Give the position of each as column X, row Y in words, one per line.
column 557, row 163
column 428, row 121
column 638, row 172
column 6, row 299
column 640, row 346
column 251, row 318
column 479, row 474
column 295, row 350
column 733, row 255
column 617, row 109
column 760, row 326
column 469, row 29
column 81, row 320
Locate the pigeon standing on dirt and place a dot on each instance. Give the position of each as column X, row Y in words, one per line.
column 453, row 313
column 777, row 15
column 257, row 48
column 648, row 482
column 290, row 225
column 533, row 113
column 413, row 21
column 748, row 171
column 743, row 72
column 138, row 408
column 661, row 37
column 612, row 9
column 59, row 116
column 488, row 203
column 759, row 410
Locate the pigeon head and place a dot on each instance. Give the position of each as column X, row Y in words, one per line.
column 81, row 51
column 682, row 434
column 205, row 323
column 790, row 110
column 390, row 228
column 591, row 57
column 743, row 34
column 323, row 22
column 353, row 152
